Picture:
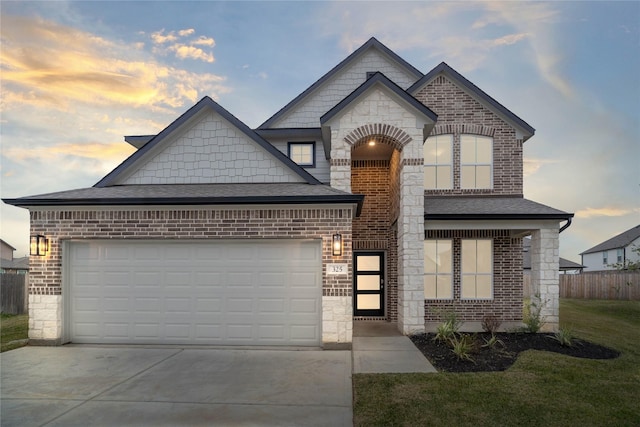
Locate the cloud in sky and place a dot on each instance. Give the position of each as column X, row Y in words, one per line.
column 56, row 66
column 606, row 211
column 183, row 50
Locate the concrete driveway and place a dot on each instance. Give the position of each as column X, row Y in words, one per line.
column 121, row 386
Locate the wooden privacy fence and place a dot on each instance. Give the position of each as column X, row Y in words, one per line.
column 13, row 296
column 618, row 285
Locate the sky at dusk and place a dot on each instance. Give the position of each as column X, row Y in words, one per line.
column 78, row 76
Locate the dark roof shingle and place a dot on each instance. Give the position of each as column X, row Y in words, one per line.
column 471, row 207
column 620, row 241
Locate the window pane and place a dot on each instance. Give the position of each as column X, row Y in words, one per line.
column 430, row 256
column 429, row 286
column 430, row 177
column 444, row 256
column 444, row 180
column 368, row 283
column 445, row 143
column 483, row 286
column 468, row 256
column 483, row 177
column 468, row 287
column 368, row 302
column 301, row 153
column 368, row 263
column 467, row 149
column 430, row 152
column 467, row 176
column 484, row 148
column 484, row 254
column 444, row 288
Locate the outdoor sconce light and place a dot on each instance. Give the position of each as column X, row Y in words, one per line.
column 39, row 245
column 337, row 244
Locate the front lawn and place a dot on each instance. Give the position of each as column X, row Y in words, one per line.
column 541, row 388
column 13, row 328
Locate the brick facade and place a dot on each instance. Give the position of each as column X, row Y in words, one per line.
column 506, row 304
column 458, row 113
column 193, row 224
column 372, row 229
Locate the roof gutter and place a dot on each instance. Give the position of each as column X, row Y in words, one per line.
column 564, row 227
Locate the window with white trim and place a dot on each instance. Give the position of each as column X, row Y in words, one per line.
column 605, row 260
column 438, row 162
column 303, row 153
column 476, row 269
column 438, row 269
column 476, row 162
column 619, row 255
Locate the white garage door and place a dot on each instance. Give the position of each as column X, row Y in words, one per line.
column 170, row 292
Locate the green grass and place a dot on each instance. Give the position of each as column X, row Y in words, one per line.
column 541, row 388
column 13, row 328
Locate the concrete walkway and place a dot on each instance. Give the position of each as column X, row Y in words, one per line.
column 378, row 347
column 80, row 385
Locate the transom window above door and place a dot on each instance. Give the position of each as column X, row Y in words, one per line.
column 303, row 153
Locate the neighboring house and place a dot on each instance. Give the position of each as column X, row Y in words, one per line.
column 9, row 264
column 377, row 193
column 615, row 252
column 566, row 266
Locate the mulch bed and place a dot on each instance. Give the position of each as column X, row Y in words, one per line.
column 500, row 358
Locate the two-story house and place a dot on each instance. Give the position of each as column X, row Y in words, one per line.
column 614, row 253
column 379, row 192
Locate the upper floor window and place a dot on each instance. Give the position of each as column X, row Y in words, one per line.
column 476, row 161
column 438, row 269
column 438, row 162
column 476, row 270
column 303, row 153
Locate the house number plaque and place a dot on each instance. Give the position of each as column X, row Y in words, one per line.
column 337, row 269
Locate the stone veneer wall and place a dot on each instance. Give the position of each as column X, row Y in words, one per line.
column 506, row 304
column 45, row 278
column 372, row 229
column 458, row 113
column 545, row 280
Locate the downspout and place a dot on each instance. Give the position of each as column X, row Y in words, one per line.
column 564, row 227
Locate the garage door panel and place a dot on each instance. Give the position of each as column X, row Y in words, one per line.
column 224, row 292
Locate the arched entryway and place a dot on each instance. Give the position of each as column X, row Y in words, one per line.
column 375, row 172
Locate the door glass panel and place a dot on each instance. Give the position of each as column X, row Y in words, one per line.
column 368, row 283
column 368, row 302
column 368, row 263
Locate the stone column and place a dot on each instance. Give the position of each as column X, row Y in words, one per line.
column 411, row 241
column 545, row 266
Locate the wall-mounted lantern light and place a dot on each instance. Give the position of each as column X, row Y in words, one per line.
column 39, row 245
column 337, row 244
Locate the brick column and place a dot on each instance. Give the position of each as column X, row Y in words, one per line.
column 545, row 288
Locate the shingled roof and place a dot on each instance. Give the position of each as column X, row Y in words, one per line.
column 193, row 194
column 470, row 208
column 620, row 241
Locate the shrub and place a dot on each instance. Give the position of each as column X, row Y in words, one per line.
column 447, row 329
column 564, row 336
column 493, row 342
column 532, row 318
column 491, row 323
column 463, row 347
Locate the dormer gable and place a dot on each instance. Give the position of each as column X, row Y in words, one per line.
column 206, row 145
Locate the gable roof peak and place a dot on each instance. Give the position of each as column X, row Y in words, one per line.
column 206, row 102
column 372, row 43
column 443, row 68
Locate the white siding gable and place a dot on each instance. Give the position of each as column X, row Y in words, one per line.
column 210, row 151
column 307, row 113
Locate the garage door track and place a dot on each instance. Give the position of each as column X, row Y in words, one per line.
column 105, row 386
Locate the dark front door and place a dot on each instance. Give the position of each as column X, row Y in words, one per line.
column 368, row 284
